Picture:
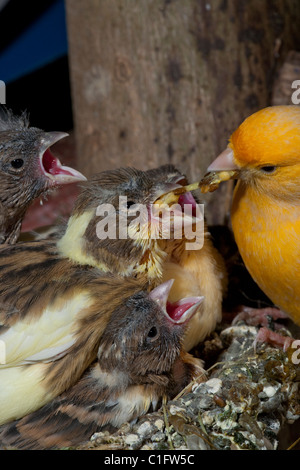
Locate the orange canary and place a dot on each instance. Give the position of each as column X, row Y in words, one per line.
column 264, row 155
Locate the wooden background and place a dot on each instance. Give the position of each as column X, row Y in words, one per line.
column 157, row 81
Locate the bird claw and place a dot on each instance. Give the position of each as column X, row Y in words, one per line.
column 260, row 316
column 266, row 318
column 274, row 339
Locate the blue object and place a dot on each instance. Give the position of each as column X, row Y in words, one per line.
column 44, row 42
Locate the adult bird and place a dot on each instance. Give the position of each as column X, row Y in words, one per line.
column 139, row 361
column 28, row 170
column 264, row 155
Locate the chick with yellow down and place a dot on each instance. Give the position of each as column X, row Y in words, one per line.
column 264, row 155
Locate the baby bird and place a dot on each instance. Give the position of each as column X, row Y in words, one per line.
column 56, row 297
column 196, row 272
column 105, row 230
column 139, row 360
column 53, row 313
column 263, row 154
column 28, row 169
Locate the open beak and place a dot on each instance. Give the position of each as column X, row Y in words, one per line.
column 165, row 193
column 179, row 312
column 223, row 168
column 172, row 202
column 51, row 166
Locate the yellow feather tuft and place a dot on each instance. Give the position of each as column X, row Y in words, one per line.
column 71, row 244
column 19, row 382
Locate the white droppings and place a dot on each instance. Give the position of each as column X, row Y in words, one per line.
column 214, row 385
column 131, row 439
column 270, row 390
column 159, row 423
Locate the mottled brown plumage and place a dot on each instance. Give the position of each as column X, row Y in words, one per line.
column 27, row 170
column 53, row 313
column 196, row 272
column 126, row 256
column 57, row 297
column 139, row 361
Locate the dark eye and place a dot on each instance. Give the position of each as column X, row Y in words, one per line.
column 129, row 204
column 268, row 169
column 17, row 163
column 152, row 333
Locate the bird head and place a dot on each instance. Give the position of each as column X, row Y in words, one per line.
column 115, row 225
column 167, row 173
column 264, row 152
column 27, row 166
column 143, row 337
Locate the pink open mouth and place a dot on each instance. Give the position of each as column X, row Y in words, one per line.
column 177, row 312
column 180, row 310
column 186, row 215
column 188, row 198
column 51, row 165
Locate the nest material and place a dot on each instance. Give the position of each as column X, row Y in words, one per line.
column 249, row 396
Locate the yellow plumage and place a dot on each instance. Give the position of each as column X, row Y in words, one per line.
column 193, row 272
column 28, row 351
column 265, row 152
column 71, row 244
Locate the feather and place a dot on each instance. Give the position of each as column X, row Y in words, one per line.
column 114, row 391
column 28, row 170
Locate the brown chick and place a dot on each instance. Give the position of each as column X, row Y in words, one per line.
column 28, row 170
column 53, row 313
column 140, row 360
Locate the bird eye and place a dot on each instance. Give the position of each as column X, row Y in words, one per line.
column 268, row 168
column 17, row 163
column 152, row 333
column 129, row 204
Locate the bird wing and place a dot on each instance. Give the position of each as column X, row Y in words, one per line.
column 42, row 339
column 39, row 303
column 96, row 402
